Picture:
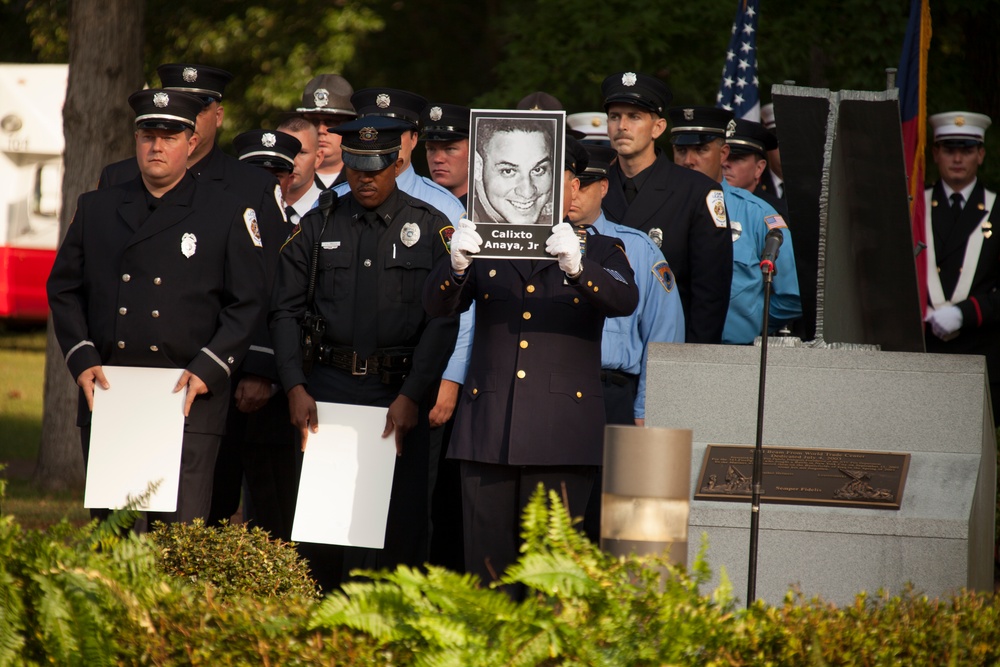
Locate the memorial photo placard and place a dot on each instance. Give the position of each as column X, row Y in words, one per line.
column 516, row 174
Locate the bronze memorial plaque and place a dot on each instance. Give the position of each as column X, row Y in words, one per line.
column 846, row 478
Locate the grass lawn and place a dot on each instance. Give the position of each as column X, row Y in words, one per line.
column 22, row 379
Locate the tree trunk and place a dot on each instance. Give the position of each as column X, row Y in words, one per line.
column 105, row 67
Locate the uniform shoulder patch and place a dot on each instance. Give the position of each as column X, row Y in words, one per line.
column 716, row 203
column 663, row 273
column 617, row 276
column 446, row 234
column 775, row 222
column 250, row 219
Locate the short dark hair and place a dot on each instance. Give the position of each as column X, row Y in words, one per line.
column 488, row 127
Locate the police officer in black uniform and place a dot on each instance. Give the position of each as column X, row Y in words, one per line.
column 747, row 162
column 682, row 210
column 162, row 271
column 378, row 346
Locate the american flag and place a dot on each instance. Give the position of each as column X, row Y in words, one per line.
column 738, row 91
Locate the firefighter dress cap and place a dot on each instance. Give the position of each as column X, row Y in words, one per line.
column 157, row 109
column 391, row 103
column 208, row 83
column 960, row 128
column 589, row 126
column 576, row 156
column 271, row 149
column 444, row 122
column 767, row 116
column 599, row 159
column 694, row 126
column 751, row 137
column 642, row 90
column 371, row 143
column 329, row 95
column 539, row 101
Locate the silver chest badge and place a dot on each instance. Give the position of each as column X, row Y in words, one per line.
column 188, row 244
column 410, row 234
column 656, row 235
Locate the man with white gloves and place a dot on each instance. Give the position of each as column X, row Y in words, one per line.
column 533, row 407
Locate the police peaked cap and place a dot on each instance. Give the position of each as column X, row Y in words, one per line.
column 641, row 90
column 751, row 137
column 599, row 159
column 157, row 109
column 199, row 80
column 444, row 122
column 391, row 103
column 272, row 149
column 328, row 94
column 693, row 126
column 371, row 143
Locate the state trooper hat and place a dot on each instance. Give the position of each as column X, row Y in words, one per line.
column 599, row 159
column 157, row 109
column 693, row 126
column 371, row 143
column 588, row 126
column 576, row 156
column 391, row 103
column 641, row 90
column 444, row 122
column 328, row 94
column 208, row 83
column 539, row 101
column 960, row 128
column 271, row 149
column 751, row 137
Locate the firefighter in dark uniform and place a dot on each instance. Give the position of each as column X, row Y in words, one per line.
column 747, row 162
column 682, row 210
column 379, row 348
column 162, row 271
column 532, row 408
column 963, row 258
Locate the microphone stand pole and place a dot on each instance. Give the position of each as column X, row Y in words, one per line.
column 758, row 450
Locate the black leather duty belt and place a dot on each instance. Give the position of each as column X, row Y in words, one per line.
column 618, row 378
column 392, row 363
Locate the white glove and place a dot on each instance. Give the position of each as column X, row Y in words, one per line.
column 465, row 242
column 564, row 244
column 945, row 321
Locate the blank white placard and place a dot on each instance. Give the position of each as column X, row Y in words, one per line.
column 346, row 479
column 135, row 438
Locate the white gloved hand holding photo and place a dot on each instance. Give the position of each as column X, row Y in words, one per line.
column 564, row 244
column 945, row 321
column 465, row 243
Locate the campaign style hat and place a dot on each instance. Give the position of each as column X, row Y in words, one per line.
column 371, row 143
column 444, row 122
column 576, row 157
column 767, row 116
column 751, row 137
column 693, row 126
column 271, row 149
column 599, row 159
column 391, row 103
column 588, row 126
column 539, row 101
column 208, row 83
column 157, row 109
column 960, row 128
column 642, row 90
column 328, row 94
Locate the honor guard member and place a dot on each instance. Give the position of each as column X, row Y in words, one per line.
column 271, row 150
column 698, row 135
column 532, row 407
column 326, row 102
column 746, row 163
column 303, row 193
column 589, row 127
column 963, row 270
column 375, row 345
column 445, row 133
column 773, row 179
column 269, row 453
column 162, row 271
column 682, row 210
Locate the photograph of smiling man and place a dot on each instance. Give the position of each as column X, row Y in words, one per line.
column 516, row 176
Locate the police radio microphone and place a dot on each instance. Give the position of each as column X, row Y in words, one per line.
column 771, row 244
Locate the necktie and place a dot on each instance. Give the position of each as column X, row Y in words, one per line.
column 630, row 190
column 956, row 205
column 366, row 292
column 289, row 212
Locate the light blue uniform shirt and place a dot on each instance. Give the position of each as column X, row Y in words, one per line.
column 659, row 317
column 751, row 219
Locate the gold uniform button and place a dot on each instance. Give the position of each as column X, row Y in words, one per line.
column 521, row 374
column 475, row 391
column 122, row 310
column 486, row 296
column 493, row 273
column 576, row 299
column 579, row 394
column 590, row 283
column 153, row 348
column 442, row 288
column 155, row 313
column 126, row 277
column 531, row 289
column 526, row 315
column 447, row 283
column 595, row 288
column 121, row 345
column 157, row 281
column 524, row 344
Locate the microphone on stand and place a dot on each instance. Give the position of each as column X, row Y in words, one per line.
column 772, row 242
